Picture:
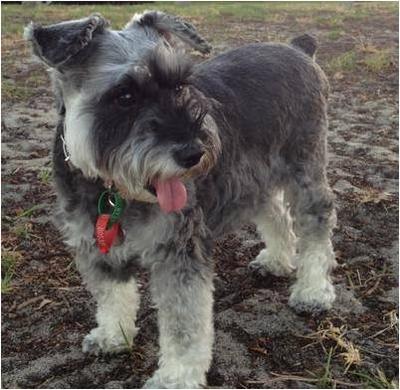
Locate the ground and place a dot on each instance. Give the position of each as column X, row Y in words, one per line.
column 260, row 341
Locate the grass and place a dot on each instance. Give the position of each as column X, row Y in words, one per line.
column 45, row 175
column 344, row 62
column 217, row 21
column 15, row 16
column 361, row 13
column 330, row 21
column 128, row 343
column 29, row 212
column 119, row 14
column 334, row 35
column 10, row 91
column 393, row 321
column 375, row 59
column 325, row 382
column 23, row 230
column 350, row 353
column 20, row 87
column 373, row 195
column 350, row 357
column 378, row 61
column 376, row 380
column 9, row 261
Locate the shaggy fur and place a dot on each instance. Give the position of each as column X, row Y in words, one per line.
column 246, row 133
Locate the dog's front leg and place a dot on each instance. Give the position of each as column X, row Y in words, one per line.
column 117, row 304
column 117, row 296
column 182, row 291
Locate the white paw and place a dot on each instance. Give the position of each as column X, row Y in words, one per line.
column 273, row 263
column 312, row 298
column 100, row 340
column 162, row 379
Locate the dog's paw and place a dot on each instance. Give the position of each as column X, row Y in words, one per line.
column 312, row 300
column 100, row 341
column 165, row 380
column 270, row 263
column 154, row 383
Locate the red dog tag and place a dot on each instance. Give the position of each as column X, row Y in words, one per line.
column 106, row 237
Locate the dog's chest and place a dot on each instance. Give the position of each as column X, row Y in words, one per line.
column 143, row 236
column 144, row 232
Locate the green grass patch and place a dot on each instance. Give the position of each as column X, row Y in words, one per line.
column 128, row 343
column 326, row 380
column 45, row 175
column 376, row 380
column 330, row 21
column 9, row 261
column 362, row 11
column 6, row 279
column 29, row 212
column 376, row 62
column 334, row 35
column 16, row 16
column 344, row 62
column 22, row 231
column 11, row 91
column 16, row 87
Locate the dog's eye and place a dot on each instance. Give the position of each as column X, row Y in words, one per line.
column 125, row 99
column 178, row 88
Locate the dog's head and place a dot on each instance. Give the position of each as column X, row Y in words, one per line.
column 132, row 115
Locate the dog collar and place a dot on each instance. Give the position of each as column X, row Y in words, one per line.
column 67, row 156
column 65, row 150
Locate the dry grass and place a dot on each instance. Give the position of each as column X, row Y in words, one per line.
column 350, row 356
column 350, row 353
column 373, row 195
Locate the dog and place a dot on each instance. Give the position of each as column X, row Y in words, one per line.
column 156, row 157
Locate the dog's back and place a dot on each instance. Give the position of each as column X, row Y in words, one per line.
column 272, row 98
column 263, row 89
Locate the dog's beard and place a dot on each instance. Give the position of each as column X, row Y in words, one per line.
column 148, row 173
column 145, row 172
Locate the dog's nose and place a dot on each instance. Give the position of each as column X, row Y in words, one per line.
column 188, row 156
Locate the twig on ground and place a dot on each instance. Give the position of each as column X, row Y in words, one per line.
column 29, row 302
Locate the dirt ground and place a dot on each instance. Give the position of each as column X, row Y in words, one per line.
column 260, row 341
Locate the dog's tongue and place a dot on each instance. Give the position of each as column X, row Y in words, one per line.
column 171, row 194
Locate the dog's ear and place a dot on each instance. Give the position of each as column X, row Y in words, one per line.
column 57, row 43
column 307, row 43
column 168, row 26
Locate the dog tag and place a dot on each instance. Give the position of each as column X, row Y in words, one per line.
column 108, row 230
column 106, row 237
column 115, row 201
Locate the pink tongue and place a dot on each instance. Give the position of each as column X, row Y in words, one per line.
column 171, row 194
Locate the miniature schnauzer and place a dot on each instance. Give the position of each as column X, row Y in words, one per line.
column 193, row 151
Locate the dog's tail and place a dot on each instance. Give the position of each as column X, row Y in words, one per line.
column 306, row 43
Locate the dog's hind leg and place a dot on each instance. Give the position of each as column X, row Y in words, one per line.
column 314, row 219
column 117, row 301
column 275, row 226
